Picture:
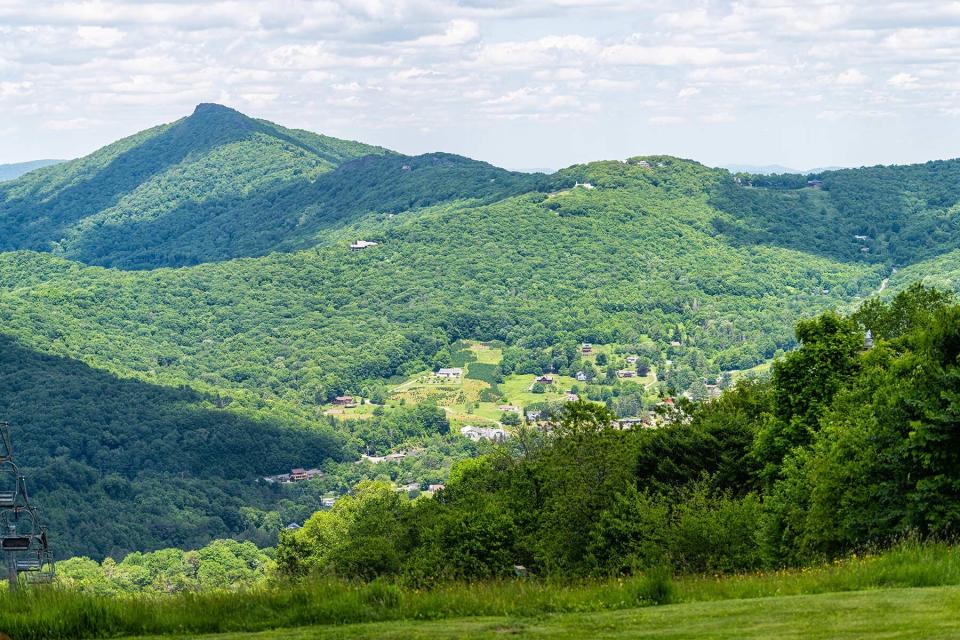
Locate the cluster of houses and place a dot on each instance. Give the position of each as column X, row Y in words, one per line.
column 493, row 434
column 298, row 474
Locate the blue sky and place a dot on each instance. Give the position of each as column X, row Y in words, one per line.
column 536, row 83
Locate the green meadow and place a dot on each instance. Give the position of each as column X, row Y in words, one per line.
column 911, row 591
column 891, row 613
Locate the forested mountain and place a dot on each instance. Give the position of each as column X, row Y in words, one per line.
column 172, row 180
column 219, row 185
column 883, row 215
column 120, row 465
column 156, row 395
column 17, row 169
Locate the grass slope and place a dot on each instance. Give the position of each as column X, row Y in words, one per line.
column 889, row 613
column 759, row 602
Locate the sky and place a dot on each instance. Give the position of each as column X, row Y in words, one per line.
column 522, row 84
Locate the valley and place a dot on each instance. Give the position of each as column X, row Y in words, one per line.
column 256, row 308
column 291, row 348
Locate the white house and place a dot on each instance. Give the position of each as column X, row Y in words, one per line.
column 450, row 373
column 360, row 245
column 494, row 434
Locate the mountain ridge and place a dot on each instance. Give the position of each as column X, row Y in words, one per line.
column 14, row 170
column 269, row 315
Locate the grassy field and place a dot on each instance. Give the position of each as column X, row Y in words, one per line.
column 888, row 613
column 462, row 398
column 861, row 595
column 485, row 354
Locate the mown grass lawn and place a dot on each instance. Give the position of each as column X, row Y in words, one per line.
column 486, row 354
column 885, row 613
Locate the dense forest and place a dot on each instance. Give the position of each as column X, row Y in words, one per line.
column 119, row 465
column 849, row 444
column 178, row 307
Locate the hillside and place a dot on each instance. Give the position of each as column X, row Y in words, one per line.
column 891, row 215
column 122, row 465
column 219, row 185
column 165, row 392
column 172, row 180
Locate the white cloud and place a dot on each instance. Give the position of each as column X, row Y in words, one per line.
column 543, row 51
column 669, row 55
column 428, row 74
column 718, row 117
column 457, row 32
column 666, row 120
column 71, row 124
column 9, row 89
column 851, row 77
column 259, row 99
column 902, row 80
column 853, row 113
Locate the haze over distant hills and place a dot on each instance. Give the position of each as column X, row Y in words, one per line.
column 17, row 169
column 769, row 169
column 203, row 268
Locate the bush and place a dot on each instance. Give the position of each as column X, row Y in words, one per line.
column 655, row 586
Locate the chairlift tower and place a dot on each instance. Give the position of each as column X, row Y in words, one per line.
column 23, row 539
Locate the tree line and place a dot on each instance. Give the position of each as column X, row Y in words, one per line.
column 849, row 443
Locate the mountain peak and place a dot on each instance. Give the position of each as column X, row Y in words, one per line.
column 216, row 120
column 205, row 108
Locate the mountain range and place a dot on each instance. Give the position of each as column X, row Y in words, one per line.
column 177, row 306
column 17, row 169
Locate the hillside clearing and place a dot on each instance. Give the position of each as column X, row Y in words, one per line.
column 888, row 613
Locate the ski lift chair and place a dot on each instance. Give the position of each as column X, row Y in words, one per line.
column 19, row 530
column 37, row 567
column 13, row 488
